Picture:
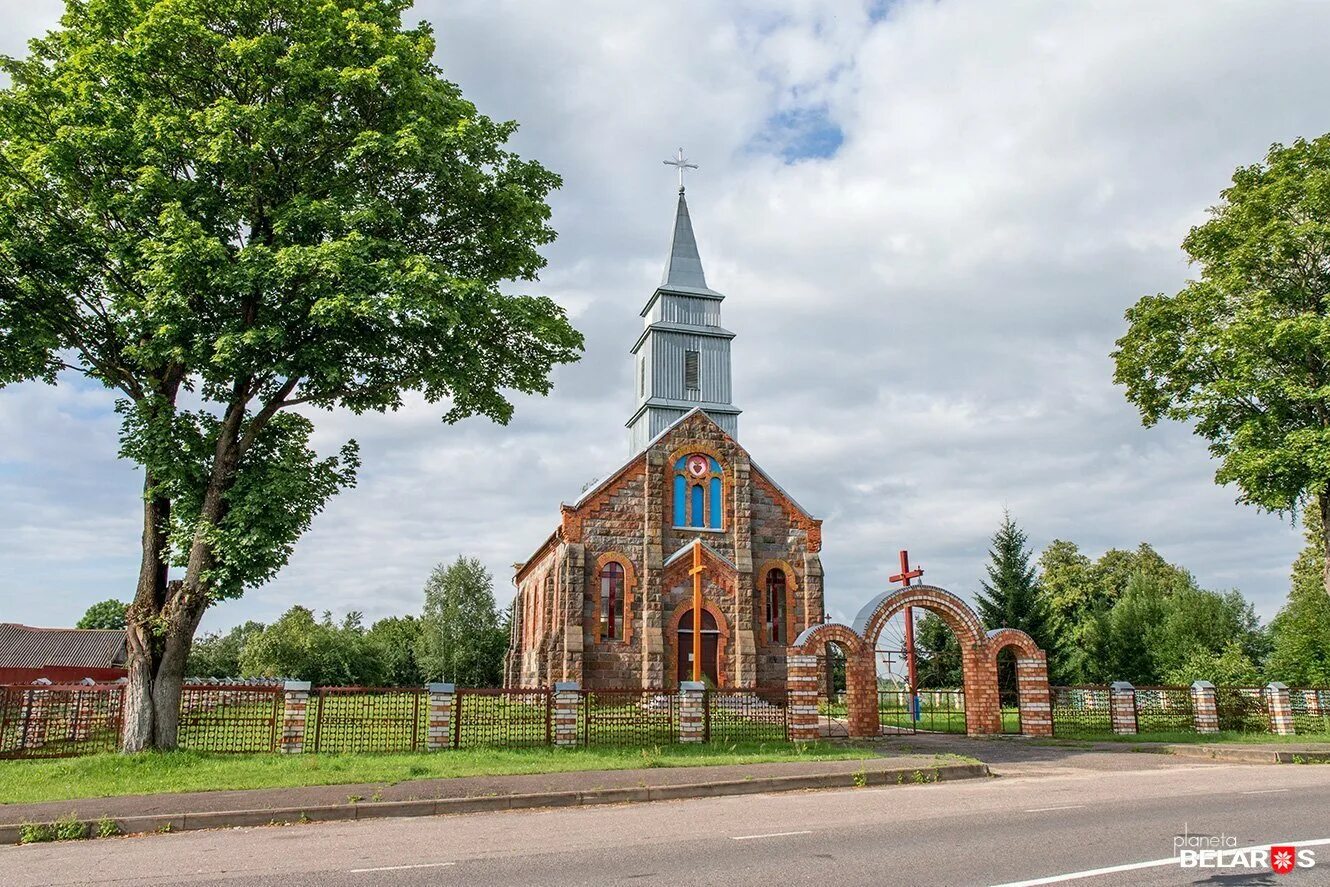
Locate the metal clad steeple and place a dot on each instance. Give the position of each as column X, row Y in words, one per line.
column 683, row 354
column 684, row 266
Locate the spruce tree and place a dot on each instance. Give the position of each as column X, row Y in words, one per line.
column 1011, row 598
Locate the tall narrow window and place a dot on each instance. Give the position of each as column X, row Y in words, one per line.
column 775, row 609
column 692, row 370
column 699, row 493
column 641, row 377
column 611, row 602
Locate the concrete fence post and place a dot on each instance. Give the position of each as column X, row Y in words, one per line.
column 1281, row 709
column 1122, row 706
column 1204, row 707
column 440, row 717
column 567, row 705
column 294, row 710
column 692, row 711
column 801, row 676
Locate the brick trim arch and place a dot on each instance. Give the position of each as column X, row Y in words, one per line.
column 860, row 675
column 1000, row 639
column 672, row 639
column 760, row 592
column 629, row 584
column 955, row 612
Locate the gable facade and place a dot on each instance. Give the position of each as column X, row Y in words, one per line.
column 604, row 600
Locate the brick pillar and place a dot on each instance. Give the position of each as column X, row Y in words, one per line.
column 567, row 704
column 440, row 716
column 1122, row 706
column 296, row 697
column 1281, row 709
column 801, row 677
column 983, row 712
column 1204, row 707
column 861, row 695
column 692, row 711
column 1032, row 685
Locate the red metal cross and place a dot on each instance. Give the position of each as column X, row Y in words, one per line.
column 906, row 574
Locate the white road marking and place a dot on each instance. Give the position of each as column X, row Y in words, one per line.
column 1045, row 809
column 1152, row 864
column 1266, row 791
column 398, row 868
column 771, row 835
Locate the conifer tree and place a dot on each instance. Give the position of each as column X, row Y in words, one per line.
column 1011, row 598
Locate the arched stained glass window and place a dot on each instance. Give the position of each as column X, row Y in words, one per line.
column 699, row 493
column 774, row 622
column 611, row 602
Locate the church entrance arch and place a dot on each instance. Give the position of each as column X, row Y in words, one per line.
column 979, row 663
column 683, row 643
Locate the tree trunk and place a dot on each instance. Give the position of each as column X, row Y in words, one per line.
column 1323, row 502
column 142, row 643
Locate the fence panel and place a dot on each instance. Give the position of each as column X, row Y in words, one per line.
column 222, row 718
column 1311, row 710
column 1079, row 711
column 1164, row 710
column 369, row 719
column 502, row 718
column 760, row 715
column 941, row 711
column 1243, row 709
column 58, row 721
column 629, row 717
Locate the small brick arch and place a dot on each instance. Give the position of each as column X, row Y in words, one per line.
column 1034, row 695
column 860, row 679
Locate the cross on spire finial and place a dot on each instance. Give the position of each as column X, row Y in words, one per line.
column 681, row 163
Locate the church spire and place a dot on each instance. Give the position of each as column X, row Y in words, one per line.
column 683, row 353
column 684, row 266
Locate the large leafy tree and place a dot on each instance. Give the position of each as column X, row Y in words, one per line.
column 104, row 614
column 461, row 638
column 1243, row 352
column 217, row 654
column 1300, row 632
column 225, row 209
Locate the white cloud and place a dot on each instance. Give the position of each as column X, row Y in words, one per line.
column 924, row 317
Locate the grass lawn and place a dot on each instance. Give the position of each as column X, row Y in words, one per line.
column 106, row 775
column 1230, row 736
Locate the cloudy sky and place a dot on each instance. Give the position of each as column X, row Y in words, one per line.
column 928, row 217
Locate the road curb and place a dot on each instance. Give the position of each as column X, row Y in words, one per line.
column 131, row 825
column 1249, row 755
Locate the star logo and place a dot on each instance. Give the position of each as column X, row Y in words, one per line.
column 1283, row 859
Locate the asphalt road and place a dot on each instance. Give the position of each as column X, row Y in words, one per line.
column 1038, row 821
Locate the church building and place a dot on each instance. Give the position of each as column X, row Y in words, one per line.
column 606, row 600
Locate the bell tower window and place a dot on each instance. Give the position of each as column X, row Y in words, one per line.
column 699, row 493
column 692, row 371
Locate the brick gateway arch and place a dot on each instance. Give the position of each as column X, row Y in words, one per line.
column 979, row 655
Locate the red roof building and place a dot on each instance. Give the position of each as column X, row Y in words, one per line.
column 60, row 655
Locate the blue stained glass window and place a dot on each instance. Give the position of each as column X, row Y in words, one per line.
column 680, row 500
column 697, row 511
column 715, row 502
column 715, row 467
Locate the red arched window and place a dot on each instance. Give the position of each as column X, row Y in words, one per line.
column 775, row 609
column 611, row 602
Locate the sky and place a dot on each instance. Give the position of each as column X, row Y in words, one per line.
column 928, row 219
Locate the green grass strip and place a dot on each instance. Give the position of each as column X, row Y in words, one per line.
column 107, row 775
